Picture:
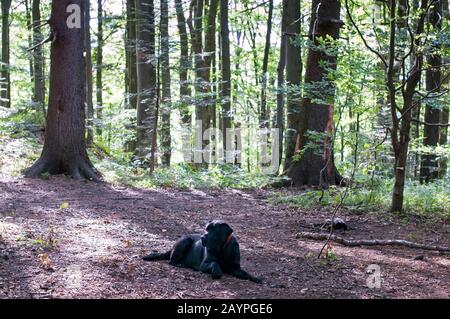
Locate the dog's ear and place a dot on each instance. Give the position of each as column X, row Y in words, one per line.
column 209, row 225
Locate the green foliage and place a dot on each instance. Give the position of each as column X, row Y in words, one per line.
column 429, row 200
column 182, row 176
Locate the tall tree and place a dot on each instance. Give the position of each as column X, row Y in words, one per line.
column 203, row 53
column 314, row 163
column 444, row 113
column 99, row 66
column 131, row 70
column 88, row 75
column 294, row 68
column 5, row 80
column 281, row 82
column 130, row 48
column 147, row 83
column 38, row 58
column 29, row 21
column 64, row 149
column 185, row 92
column 429, row 165
column 401, row 113
column 226, row 73
column 165, row 108
column 264, row 112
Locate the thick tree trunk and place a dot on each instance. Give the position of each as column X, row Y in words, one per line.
column 280, row 83
column 429, row 166
column 5, row 80
column 147, row 83
column 294, row 67
column 264, row 112
column 166, row 104
column 88, row 76
column 313, row 162
column 99, row 75
column 64, row 150
column 185, row 92
column 39, row 79
column 131, row 72
column 227, row 116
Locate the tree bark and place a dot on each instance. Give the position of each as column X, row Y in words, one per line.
column 314, row 163
column 88, row 76
column 281, row 83
column 294, row 69
column 64, row 149
column 227, row 116
column 5, row 80
column 166, row 104
column 99, row 68
column 131, row 72
column 429, row 166
column 39, row 79
column 29, row 22
column 185, row 92
column 203, row 58
column 444, row 113
column 147, row 83
column 264, row 112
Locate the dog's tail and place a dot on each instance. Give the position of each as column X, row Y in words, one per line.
column 158, row 256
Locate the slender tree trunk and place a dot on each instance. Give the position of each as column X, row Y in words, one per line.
column 225, row 97
column 401, row 127
column 444, row 113
column 314, row 162
column 203, row 59
column 147, row 83
column 185, row 91
column 39, row 79
column 131, row 72
column 64, row 150
column 294, row 68
column 99, row 75
column 5, row 80
column 429, row 166
column 88, row 76
column 30, row 39
column 166, row 105
column 207, row 58
column 280, row 83
column 264, row 115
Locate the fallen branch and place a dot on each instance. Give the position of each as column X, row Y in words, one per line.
column 370, row 242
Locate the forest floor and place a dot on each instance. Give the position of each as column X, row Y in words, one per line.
column 69, row 239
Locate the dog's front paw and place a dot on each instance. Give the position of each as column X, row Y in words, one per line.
column 256, row 280
column 216, row 273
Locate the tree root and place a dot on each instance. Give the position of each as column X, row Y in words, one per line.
column 371, row 242
column 81, row 169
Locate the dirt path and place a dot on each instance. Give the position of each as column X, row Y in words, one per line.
column 61, row 238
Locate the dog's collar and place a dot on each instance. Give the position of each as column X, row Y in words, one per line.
column 229, row 239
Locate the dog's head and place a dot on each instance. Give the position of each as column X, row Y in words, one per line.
column 216, row 236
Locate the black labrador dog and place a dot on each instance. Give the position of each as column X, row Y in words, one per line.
column 216, row 252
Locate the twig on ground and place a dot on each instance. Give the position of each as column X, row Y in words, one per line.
column 371, row 242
